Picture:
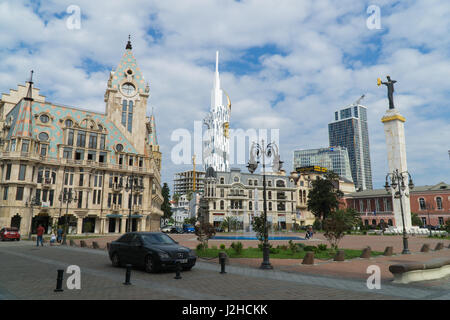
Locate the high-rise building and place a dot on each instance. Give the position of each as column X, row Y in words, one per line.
column 216, row 143
column 183, row 182
column 349, row 129
column 334, row 159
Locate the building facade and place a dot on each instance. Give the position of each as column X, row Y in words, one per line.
column 334, row 159
column 349, row 129
column 216, row 143
column 49, row 151
column 430, row 203
column 240, row 195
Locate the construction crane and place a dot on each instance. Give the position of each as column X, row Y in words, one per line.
column 193, row 162
column 359, row 100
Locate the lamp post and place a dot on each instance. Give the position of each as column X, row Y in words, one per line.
column 259, row 151
column 397, row 184
column 429, row 207
column 134, row 184
column 67, row 196
column 32, row 201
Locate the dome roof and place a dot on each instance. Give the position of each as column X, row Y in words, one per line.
column 210, row 173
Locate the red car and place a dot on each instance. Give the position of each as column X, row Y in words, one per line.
column 8, row 233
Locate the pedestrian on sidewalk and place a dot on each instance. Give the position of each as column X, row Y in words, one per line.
column 40, row 234
column 60, row 232
column 52, row 239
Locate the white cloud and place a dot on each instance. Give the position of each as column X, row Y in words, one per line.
column 323, row 66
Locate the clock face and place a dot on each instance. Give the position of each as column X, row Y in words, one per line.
column 128, row 89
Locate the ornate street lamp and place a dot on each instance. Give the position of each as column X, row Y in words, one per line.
column 396, row 181
column 134, row 184
column 259, row 151
column 32, row 202
column 67, row 196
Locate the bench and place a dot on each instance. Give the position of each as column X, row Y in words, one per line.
column 416, row 271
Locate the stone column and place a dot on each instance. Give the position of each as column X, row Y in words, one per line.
column 123, row 225
column 79, row 225
column 116, row 230
column 143, row 223
column 396, row 149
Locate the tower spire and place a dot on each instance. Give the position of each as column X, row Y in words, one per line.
column 129, row 47
column 29, row 96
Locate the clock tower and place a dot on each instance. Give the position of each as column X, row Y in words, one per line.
column 126, row 101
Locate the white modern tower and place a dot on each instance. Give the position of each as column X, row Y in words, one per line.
column 396, row 149
column 216, row 140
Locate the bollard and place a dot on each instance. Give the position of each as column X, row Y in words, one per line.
column 177, row 274
column 222, row 265
column 83, row 244
column 107, row 245
column 425, row 248
column 309, row 258
column 366, row 253
column 340, row 255
column 127, row 275
column 95, row 245
column 389, row 251
column 439, row 246
column 72, row 243
column 59, row 280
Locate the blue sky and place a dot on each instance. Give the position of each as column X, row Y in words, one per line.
column 285, row 64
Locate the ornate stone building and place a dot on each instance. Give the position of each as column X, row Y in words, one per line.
column 240, row 195
column 48, row 151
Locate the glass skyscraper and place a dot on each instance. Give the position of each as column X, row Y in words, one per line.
column 349, row 129
column 334, row 159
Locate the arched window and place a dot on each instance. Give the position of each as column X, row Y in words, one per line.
column 124, row 113
column 390, row 222
column 130, row 116
column 222, row 205
column 374, row 222
column 280, row 184
column 250, row 206
column 422, row 204
column 270, row 206
column 270, row 194
column 439, row 203
column 222, row 180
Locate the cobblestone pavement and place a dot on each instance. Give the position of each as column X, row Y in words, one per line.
column 354, row 269
column 29, row 272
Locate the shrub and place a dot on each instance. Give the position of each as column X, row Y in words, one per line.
column 201, row 246
column 293, row 247
column 214, row 247
column 222, row 247
column 301, row 246
column 260, row 246
column 237, row 247
column 310, row 248
column 365, row 232
column 274, row 251
column 322, row 247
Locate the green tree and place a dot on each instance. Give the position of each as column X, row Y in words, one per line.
column 176, row 198
column 415, row 220
column 165, row 207
column 324, row 196
column 258, row 227
column 189, row 195
column 338, row 223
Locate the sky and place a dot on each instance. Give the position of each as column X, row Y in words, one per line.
column 286, row 64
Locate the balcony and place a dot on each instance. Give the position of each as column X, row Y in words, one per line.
column 46, row 183
column 136, row 207
column 116, row 207
column 116, row 187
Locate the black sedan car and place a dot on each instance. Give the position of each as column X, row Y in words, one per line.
column 152, row 250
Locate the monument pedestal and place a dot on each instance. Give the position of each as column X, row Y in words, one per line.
column 396, row 149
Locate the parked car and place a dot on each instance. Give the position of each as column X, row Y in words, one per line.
column 177, row 230
column 152, row 250
column 166, row 229
column 188, row 228
column 9, row 233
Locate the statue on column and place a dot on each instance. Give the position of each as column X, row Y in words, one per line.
column 390, row 86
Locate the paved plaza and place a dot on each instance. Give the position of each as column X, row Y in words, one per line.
column 29, row 272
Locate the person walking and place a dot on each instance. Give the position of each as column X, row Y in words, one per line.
column 60, row 233
column 40, row 234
